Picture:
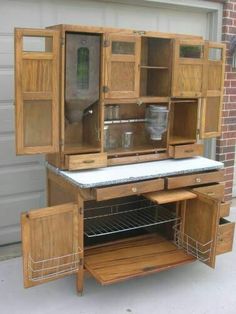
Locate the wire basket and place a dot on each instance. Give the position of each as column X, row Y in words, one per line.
column 202, row 251
column 53, row 267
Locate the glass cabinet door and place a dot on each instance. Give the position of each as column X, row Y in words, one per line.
column 122, row 58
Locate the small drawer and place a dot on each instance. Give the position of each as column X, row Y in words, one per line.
column 224, row 209
column 88, row 161
column 194, row 179
column 225, row 236
column 115, row 191
column 215, row 191
column 185, row 151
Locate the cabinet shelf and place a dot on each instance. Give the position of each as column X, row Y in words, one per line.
column 143, row 214
column 134, row 150
column 107, row 122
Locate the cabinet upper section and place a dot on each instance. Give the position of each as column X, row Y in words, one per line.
column 64, row 82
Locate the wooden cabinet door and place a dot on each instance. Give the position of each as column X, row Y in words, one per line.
column 122, row 58
column 36, row 91
column 211, row 107
column 188, row 68
column 50, row 243
column 200, row 223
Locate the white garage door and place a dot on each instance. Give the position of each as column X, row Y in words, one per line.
column 22, row 179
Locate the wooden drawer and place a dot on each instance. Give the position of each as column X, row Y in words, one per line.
column 194, row 179
column 129, row 189
column 225, row 236
column 224, row 209
column 215, row 191
column 87, row 161
column 185, row 151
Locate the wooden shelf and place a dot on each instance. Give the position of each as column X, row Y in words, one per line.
column 181, row 140
column 134, row 150
column 133, row 257
column 78, row 148
column 143, row 99
column 153, row 67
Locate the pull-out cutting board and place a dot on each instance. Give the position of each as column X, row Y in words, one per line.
column 163, row 197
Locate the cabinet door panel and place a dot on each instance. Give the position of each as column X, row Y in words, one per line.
column 200, row 222
column 50, row 243
column 211, row 109
column 36, row 84
column 188, row 68
column 122, row 57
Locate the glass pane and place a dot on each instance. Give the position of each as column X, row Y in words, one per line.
column 83, row 67
column 190, row 51
column 123, row 47
column 37, row 44
column 215, row 54
column 37, row 123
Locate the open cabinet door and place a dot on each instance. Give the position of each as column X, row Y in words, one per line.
column 211, row 108
column 36, row 91
column 199, row 227
column 122, row 58
column 188, row 68
column 50, row 243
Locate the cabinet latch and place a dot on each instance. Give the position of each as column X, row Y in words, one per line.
column 105, row 89
column 106, row 43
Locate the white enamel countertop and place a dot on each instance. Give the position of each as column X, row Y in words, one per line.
column 137, row 172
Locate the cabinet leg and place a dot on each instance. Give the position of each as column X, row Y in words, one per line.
column 80, row 281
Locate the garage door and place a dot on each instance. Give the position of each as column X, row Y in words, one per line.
column 22, row 179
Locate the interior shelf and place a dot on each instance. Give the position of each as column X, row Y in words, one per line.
column 118, row 219
column 107, row 122
column 135, row 150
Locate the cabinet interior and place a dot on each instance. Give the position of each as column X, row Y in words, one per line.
column 183, row 121
column 82, row 81
column 132, row 118
column 155, row 68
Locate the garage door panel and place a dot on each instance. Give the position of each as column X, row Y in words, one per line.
column 22, row 180
column 10, row 234
column 7, row 84
column 13, row 205
column 8, row 154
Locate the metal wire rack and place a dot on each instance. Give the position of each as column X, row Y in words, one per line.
column 53, row 267
column 202, row 251
column 127, row 216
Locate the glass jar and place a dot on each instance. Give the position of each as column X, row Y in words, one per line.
column 127, row 140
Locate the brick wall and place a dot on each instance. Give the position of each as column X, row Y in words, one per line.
column 225, row 149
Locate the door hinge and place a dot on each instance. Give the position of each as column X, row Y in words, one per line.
column 81, row 211
column 139, row 32
column 198, row 131
column 106, row 43
column 62, row 41
column 105, row 89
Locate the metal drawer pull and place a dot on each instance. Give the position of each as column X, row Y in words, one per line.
column 89, row 161
column 198, row 180
column 189, row 151
column 134, row 189
column 211, row 193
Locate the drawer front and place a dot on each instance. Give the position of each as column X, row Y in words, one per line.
column 87, row 161
column 194, row 179
column 224, row 209
column 215, row 191
column 185, row 151
column 225, row 236
column 129, row 189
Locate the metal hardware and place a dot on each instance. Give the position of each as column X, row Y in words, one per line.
column 198, row 131
column 126, row 216
column 106, row 43
column 189, row 151
column 89, row 161
column 139, row 102
column 105, row 89
column 139, row 32
column 202, row 251
column 52, row 267
column 106, row 122
column 198, row 180
column 134, row 189
column 81, row 210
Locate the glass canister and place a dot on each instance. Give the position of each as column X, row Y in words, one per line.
column 156, row 121
column 106, row 137
column 127, row 140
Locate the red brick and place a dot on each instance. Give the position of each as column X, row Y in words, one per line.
column 232, row 83
column 231, row 105
column 227, row 83
column 228, row 198
column 230, row 156
column 232, row 127
column 232, row 113
column 228, row 184
column 229, row 177
column 229, row 170
column 231, row 29
column 229, row 163
column 228, row 149
column 231, row 142
column 231, row 91
column 231, row 76
column 227, row 21
column 231, row 14
column 228, row 190
column 228, row 6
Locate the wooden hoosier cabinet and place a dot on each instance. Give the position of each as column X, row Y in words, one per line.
column 92, row 97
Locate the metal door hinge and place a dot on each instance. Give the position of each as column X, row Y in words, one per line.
column 106, row 43
column 105, row 89
column 198, row 131
column 62, row 41
column 139, row 32
column 81, row 211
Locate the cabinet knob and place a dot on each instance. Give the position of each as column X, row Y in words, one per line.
column 198, row 180
column 134, row 189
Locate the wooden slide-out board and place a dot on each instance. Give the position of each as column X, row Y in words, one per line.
column 133, row 257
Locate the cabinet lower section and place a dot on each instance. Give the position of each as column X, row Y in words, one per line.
column 133, row 257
